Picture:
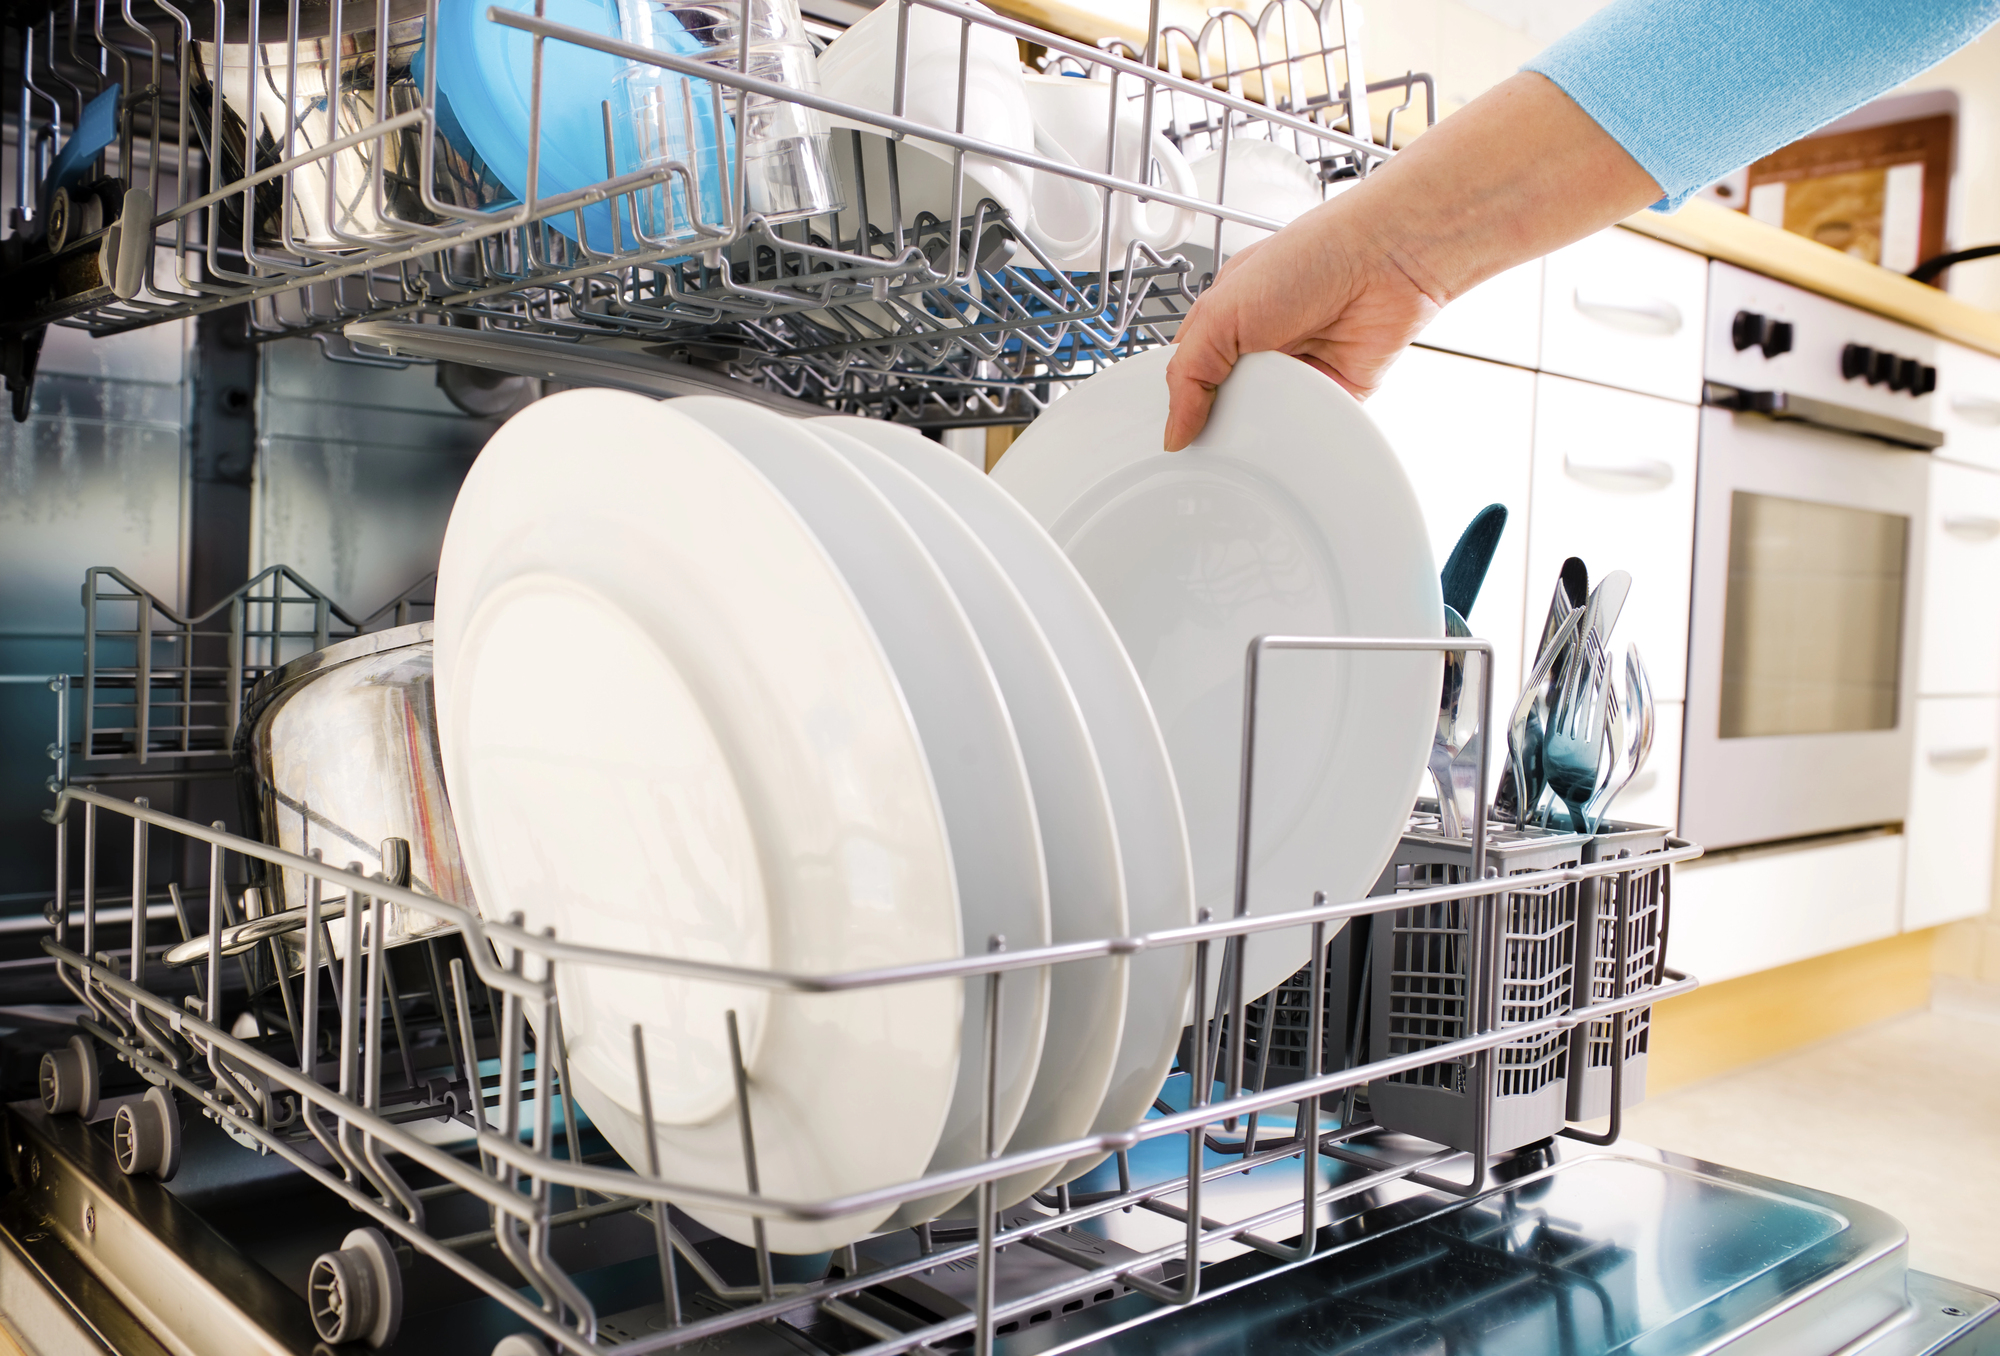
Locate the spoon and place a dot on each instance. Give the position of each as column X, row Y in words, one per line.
column 1636, row 717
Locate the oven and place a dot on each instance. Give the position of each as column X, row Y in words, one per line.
column 1808, row 564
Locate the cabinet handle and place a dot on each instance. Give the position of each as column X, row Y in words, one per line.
column 1976, row 409
column 1971, row 753
column 1972, row 526
column 1640, row 315
column 1636, row 475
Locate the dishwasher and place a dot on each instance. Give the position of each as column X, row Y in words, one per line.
column 259, row 1125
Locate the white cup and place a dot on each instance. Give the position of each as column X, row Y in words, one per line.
column 1265, row 179
column 1076, row 113
column 859, row 68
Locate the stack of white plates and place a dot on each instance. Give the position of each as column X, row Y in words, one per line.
column 820, row 697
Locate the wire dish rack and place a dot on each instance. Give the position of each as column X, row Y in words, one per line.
column 868, row 308
column 426, row 1086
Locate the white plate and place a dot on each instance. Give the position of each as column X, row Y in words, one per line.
column 669, row 729
column 1146, row 812
column 1288, row 516
column 1079, row 839
column 962, row 717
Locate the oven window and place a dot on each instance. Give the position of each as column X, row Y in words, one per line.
column 1812, row 639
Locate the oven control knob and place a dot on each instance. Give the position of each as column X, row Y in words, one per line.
column 1881, row 367
column 1746, row 329
column 1855, row 361
column 1904, row 377
column 1777, row 337
column 1926, row 381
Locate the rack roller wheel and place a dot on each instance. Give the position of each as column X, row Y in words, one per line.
column 146, row 1135
column 69, row 1079
column 356, row 1294
column 519, row 1344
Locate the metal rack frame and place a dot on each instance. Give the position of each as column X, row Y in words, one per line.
column 866, row 308
column 345, row 1120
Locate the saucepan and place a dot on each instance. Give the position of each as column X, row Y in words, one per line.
column 337, row 756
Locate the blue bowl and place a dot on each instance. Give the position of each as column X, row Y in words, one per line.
column 484, row 86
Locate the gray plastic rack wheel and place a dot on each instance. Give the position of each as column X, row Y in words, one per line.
column 147, row 1136
column 356, row 1293
column 69, row 1079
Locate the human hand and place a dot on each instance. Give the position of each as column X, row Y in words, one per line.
column 1519, row 172
column 1317, row 290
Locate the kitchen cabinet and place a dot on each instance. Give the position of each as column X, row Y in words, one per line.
column 1968, row 406
column 1625, row 311
column 1752, row 910
column 1462, row 428
column 1959, row 644
column 1501, row 319
column 1614, row 484
column 1654, row 796
column 1953, row 795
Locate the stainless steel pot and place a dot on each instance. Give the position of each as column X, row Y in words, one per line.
column 338, row 755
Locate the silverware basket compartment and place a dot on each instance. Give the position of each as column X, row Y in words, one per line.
column 1640, row 897
column 1422, row 990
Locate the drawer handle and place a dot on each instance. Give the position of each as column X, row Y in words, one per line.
column 1970, row 753
column 1640, row 315
column 1976, row 409
column 1972, row 526
column 1638, row 475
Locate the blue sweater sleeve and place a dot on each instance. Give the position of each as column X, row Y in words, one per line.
column 1694, row 89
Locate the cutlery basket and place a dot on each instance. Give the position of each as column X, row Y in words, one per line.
column 1423, row 966
column 1639, row 896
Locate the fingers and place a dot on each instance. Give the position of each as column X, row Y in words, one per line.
column 1206, row 355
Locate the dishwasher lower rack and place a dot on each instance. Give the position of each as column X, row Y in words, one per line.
column 947, row 314
column 407, row 1084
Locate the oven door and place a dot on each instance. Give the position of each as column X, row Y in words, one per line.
column 1802, row 641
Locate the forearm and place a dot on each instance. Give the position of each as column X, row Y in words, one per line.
column 1518, row 173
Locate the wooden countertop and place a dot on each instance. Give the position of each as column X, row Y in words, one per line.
column 1712, row 229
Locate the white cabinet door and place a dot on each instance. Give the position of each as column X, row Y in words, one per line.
column 1959, row 651
column 1952, row 804
column 1461, row 428
column 1968, row 405
column 1614, row 485
column 1500, row 319
column 1626, row 311
column 1654, row 796
column 1739, row 914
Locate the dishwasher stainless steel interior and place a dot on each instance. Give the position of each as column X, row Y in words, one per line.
column 253, row 348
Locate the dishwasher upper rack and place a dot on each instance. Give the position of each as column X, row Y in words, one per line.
column 336, row 1109
column 845, row 312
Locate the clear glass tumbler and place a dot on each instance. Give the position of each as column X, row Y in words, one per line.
column 784, row 146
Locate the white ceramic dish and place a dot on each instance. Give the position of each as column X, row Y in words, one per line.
column 1264, row 178
column 962, row 718
column 1086, row 1002
column 1077, row 113
column 664, row 718
column 1288, row 516
column 1152, row 841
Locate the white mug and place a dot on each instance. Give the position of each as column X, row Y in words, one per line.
column 1265, row 179
column 1076, row 113
column 859, row 68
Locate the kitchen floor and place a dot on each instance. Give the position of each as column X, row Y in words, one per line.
column 1904, row 1115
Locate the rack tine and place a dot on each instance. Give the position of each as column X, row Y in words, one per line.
column 669, row 1280
column 742, row 1081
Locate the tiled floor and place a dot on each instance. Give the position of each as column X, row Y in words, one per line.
column 1904, row 1115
